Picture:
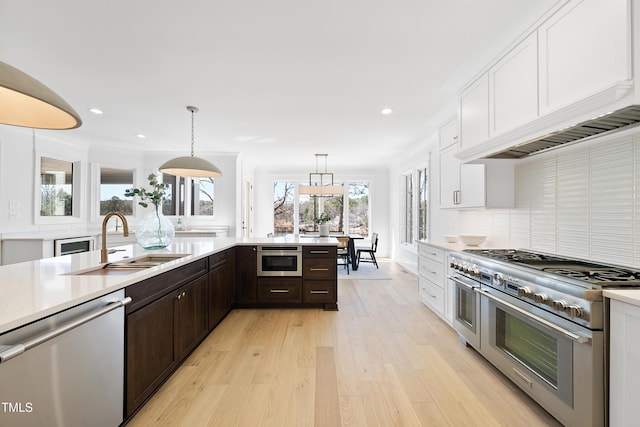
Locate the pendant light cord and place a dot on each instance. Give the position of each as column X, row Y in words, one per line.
column 192, row 131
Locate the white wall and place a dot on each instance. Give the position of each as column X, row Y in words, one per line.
column 18, row 149
column 264, row 177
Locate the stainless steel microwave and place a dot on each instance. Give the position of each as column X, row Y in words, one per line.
column 280, row 261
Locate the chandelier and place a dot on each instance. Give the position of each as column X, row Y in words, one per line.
column 321, row 183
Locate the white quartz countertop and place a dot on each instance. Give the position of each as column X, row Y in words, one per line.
column 458, row 246
column 630, row 296
column 33, row 290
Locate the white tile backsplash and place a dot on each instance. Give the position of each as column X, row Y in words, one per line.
column 583, row 201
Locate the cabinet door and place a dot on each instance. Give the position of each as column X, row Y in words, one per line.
column 513, row 84
column 583, row 49
column 449, row 178
column 191, row 315
column 472, row 186
column 624, row 371
column 448, row 134
column 220, row 292
column 474, row 113
column 150, row 350
column 246, row 275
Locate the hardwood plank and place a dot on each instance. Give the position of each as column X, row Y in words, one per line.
column 383, row 359
column 327, row 408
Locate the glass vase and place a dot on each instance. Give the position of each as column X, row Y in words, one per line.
column 155, row 231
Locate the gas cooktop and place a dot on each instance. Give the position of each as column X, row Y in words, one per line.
column 599, row 274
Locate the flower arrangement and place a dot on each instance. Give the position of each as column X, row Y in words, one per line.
column 155, row 196
column 322, row 218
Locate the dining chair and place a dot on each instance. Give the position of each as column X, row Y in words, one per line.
column 343, row 251
column 371, row 252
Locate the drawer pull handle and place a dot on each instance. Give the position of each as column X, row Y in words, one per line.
column 319, row 269
column 318, row 252
column 279, row 291
column 319, row 292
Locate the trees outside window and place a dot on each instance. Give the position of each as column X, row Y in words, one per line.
column 56, row 187
column 283, row 208
column 296, row 213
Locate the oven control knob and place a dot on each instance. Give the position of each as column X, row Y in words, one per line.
column 559, row 305
column 498, row 280
column 524, row 292
column 575, row 311
column 475, row 271
column 465, row 269
column 540, row 298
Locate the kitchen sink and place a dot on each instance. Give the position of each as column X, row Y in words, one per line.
column 127, row 266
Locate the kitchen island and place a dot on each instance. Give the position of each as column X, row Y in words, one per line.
column 174, row 298
column 32, row 290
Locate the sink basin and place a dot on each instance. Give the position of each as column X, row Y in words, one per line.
column 127, row 266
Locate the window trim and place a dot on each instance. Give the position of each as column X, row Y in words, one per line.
column 95, row 195
column 76, row 192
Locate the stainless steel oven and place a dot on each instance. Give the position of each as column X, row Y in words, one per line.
column 540, row 320
column 559, row 364
column 280, row 260
column 466, row 314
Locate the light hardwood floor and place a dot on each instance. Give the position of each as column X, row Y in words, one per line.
column 384, row 359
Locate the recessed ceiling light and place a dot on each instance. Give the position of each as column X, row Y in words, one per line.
column 141, row 136
column 387, row 111
column 95, row 111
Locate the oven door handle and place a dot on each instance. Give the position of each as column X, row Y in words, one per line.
column 566, row 333
column 460, row 282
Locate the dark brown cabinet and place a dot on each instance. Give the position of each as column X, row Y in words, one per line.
column 246, row 275
column 221, row 285
column 320, row 276
column 279, row 290
column 165, row 322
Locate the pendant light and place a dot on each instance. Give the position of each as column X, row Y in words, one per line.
column 190, row 165
column 319, row 184
column 26, row 102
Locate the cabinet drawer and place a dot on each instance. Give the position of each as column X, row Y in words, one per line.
column 320, row 268
column 431, row 252
column 151, row 289
column 432, row 296
column 280, row 290
column 319, row 291
column 319, row 252
column 431, row 270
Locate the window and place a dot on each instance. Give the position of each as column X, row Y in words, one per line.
column 407, row 220
column 415, row 206
column 56, row 187
column 423, row 203
column 359, row 208
column 295, row 213
column 197, row 201
column 283, row 208
column 113, row 183
column 202, row 196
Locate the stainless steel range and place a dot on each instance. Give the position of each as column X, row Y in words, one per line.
column 540, row 319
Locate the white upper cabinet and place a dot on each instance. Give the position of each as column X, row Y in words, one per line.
column 513, row 87
column 474, row 113
column 448, row 134
column 584, row 48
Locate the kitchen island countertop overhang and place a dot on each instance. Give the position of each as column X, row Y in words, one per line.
column 33, row 290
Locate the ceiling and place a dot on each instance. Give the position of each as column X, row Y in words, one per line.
column 276, row 80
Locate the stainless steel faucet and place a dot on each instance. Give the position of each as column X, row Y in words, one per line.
column 125, row 232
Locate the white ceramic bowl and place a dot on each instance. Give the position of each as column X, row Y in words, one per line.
column 451, row 238
column 472, row 239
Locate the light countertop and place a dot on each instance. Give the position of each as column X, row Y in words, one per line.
column 458, row 246
column 33, row 290
column 630, row 296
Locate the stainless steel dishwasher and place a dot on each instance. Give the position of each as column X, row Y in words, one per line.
column 67, row 369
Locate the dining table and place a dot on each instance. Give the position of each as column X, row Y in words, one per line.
column 351, row 245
